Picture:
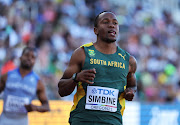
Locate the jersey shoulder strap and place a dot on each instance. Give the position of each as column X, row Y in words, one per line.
column 87, row 45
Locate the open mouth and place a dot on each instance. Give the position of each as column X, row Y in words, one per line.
column 112, row 32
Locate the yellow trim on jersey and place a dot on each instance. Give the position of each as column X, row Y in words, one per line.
column 124, row 87
column 122, row 103
column 79, row 94
column 87, row 44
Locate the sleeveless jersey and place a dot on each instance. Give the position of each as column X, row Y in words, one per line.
column 18, row 92
column 103, row 100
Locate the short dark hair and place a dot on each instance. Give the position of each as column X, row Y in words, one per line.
column 97, row 17
column 33, row 49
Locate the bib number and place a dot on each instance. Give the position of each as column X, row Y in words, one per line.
column 16, row 104
column 101, row 98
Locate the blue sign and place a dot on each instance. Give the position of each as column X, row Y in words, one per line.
column 159, row 114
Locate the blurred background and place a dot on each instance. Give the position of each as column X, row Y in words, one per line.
column 149, row 30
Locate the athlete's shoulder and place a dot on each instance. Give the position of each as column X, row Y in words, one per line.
column 123, row 51
column 35, row 75
column 13, row 71
column 87, row 45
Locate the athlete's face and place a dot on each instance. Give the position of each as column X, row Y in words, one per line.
column 28, row 59
column 107, row 27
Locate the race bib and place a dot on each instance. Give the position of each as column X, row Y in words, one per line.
column 101, row 98
column 16, row 104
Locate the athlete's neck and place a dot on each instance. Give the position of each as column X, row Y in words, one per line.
column 24, row 72
column 106, row 48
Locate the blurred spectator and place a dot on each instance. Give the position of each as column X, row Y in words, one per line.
column 8, row 66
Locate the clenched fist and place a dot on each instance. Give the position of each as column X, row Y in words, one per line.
column 129, row 94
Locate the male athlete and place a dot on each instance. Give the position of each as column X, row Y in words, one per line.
column 104, row 75
column 20, row 87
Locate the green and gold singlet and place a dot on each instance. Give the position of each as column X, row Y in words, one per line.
column 103, row 101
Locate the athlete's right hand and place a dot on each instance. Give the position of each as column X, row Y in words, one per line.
column 86, row 76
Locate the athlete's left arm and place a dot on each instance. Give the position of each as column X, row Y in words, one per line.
column 131, row 80
column 41, row 94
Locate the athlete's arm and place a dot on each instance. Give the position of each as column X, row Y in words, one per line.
column 3, row 82
column 131, row 79
column 66, row 84
column 41, row 94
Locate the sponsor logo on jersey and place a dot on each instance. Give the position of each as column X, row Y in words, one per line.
column 122, row 55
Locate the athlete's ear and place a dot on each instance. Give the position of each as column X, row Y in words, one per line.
column 96, row 30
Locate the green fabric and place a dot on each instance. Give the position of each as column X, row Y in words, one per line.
column 111, row 72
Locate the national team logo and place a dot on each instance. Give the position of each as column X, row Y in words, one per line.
column 122, row 55
column 91, row 52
